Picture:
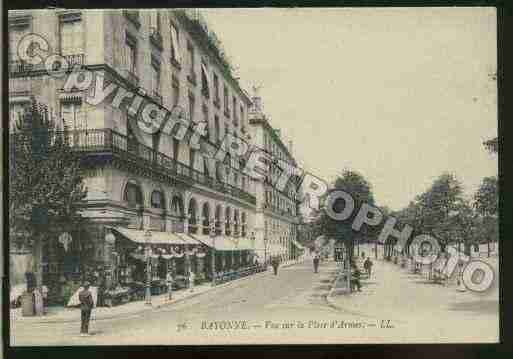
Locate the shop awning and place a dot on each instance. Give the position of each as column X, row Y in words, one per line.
column 271, row 249
column 223, row 243
column 138, row 236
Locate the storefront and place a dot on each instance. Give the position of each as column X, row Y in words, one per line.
column 232, row 254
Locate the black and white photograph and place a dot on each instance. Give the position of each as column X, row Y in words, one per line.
column 237, row 176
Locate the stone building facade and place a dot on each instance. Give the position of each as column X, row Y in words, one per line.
column 277, row 211
column 140, row 182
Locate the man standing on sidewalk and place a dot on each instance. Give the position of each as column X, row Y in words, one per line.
column 192, row 278
column 368, row 266
column 275, row 263
column 86, row 306
column 316, row 262
column 169, row 282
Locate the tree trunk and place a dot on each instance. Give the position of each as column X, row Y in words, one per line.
column 467, row 249
column 37, row 252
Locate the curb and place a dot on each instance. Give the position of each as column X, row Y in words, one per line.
column 158, row 306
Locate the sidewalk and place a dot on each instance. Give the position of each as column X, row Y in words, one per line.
column 65, row 315
column 396, row 293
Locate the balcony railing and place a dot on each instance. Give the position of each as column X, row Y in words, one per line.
column 107, row 140
column 21, row 67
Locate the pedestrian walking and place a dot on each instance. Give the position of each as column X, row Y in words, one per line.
column 275, row 263
column 367, row 265
column 169, row 282
column 355, row 277
column 86, row 306
column 192, row 278
column 316, row 263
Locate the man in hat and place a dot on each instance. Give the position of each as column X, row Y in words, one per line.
column 86, row 306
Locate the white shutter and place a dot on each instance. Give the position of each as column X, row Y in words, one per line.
column 204, row 69
column 175, row 44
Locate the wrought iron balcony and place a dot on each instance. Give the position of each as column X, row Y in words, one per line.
column 102, row 142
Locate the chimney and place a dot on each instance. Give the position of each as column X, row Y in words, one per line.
column 291, row 143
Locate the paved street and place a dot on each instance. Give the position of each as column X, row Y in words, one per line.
column 270, row 309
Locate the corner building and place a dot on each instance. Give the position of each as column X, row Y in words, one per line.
column 143, row 189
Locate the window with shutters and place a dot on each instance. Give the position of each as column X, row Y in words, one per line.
column 226, row 103
column 176, row 148
column 175, row 46
column 216, row 90
column 235, row 117
column 131, row 54
column 16, row 112
column 157, row 200
column 71, row 36
column 217, row 130
column 192, row 64
column 192, row 104
column 155, row 80
column 133, row 195
column 205, row 91
column 73, row 115
column 192, row 157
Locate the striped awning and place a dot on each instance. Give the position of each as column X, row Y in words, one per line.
column 223, row 243
column 138, row 236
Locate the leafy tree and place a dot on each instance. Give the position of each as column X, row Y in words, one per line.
column 435, row 208
column 360, row 190
column 487, row 196
column 45, row 184
column 486, row 204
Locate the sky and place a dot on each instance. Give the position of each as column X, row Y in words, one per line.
column 400, row 95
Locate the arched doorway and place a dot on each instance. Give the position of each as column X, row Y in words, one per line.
column 193, row 225
column 206, row 218
column 178, row 213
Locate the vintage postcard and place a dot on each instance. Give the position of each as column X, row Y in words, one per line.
column 253, row 176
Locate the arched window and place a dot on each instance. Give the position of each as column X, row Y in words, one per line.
column 218, row 219
column 236, row 222
column 176, row 149
column 219, row 172
column 206, row 218
column 244, row 224
column 192, row 216
column 227, row 217
column 133, row 195
column 217, row 130
column 177, row 206
column 157, row 200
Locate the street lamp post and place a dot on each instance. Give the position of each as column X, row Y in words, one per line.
column 213, row 236
column 147, row 237
column 265, row 250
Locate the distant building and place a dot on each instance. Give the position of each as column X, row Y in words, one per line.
column 277, row 211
